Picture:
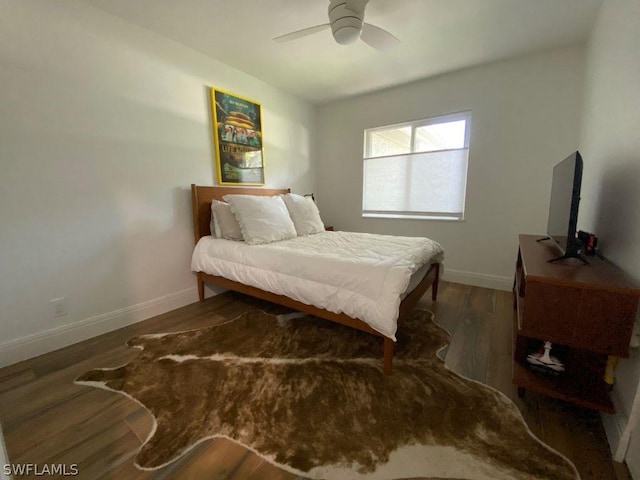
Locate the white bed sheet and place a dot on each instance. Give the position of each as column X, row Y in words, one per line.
column 360, row 274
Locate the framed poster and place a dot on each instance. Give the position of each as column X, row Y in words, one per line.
column 237, row 133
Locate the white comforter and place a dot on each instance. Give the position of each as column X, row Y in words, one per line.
column 360, row 274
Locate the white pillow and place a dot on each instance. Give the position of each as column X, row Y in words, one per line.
column 263, row 219
column 304, row 213
column 214, row 227
column 225, row 220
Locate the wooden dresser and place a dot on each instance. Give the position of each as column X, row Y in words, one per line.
column 586, row 311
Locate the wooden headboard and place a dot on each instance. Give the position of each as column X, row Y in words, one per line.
column 201, row 197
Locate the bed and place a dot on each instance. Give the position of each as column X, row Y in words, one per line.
column 202, row 196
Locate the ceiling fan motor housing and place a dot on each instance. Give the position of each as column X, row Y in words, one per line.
column 346, row 23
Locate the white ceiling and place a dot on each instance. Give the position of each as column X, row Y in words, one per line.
column 437, row 36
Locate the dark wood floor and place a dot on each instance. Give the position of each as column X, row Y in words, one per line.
column 47, row 419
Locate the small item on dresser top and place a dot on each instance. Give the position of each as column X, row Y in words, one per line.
column 589, row 242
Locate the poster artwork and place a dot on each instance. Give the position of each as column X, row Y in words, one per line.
column 237, row 124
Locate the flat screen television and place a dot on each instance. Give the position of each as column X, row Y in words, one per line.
column 563, row 207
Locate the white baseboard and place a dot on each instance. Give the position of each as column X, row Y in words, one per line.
column 619, row 429
column 614, row 425
column 484, row 280
column 39, row 343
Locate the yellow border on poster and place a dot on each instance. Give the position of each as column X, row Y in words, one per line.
column 216, row 140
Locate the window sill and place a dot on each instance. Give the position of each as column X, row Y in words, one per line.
column 413, row 217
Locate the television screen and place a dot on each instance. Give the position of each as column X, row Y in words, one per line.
column 563, row 207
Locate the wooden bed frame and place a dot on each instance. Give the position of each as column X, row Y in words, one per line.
column 201, row 197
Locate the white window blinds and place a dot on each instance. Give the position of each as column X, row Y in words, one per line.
column 417, row 170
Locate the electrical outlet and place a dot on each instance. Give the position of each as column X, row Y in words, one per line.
column 59, row 307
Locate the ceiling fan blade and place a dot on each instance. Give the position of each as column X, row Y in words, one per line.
column 302, row 33
column 377, row 37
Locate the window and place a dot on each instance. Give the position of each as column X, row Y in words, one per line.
column 417, row 169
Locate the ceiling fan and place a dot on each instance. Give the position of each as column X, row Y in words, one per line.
column 346, row 19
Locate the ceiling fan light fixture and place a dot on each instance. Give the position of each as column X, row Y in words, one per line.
column 346, row 35
column 346, row 30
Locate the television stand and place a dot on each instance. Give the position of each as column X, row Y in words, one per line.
column 577, row 255
column 573, row 253
column 587, row 312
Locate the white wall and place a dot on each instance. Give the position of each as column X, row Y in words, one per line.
column 610, row 144
column 525, row 119
column 103, row 127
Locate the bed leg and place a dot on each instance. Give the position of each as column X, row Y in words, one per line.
column 388, row 355
column 200, row 289
column 434, row 285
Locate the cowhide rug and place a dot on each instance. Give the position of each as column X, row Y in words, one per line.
column 310, row 396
